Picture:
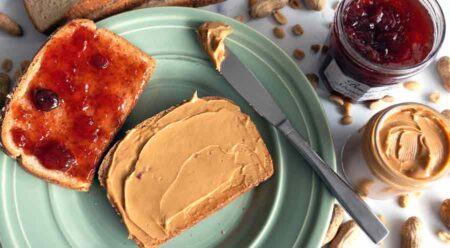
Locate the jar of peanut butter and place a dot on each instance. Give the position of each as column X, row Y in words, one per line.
column 402, row 149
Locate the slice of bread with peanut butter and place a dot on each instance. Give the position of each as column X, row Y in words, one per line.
column 181, row 165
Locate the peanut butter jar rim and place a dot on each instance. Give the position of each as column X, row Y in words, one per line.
column 379, row 119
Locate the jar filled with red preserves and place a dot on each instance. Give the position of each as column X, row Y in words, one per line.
column 375, row 44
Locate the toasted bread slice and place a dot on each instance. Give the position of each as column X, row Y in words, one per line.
column 181, row 165
column 71, row 101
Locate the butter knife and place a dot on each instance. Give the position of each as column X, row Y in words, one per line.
column 248, row 86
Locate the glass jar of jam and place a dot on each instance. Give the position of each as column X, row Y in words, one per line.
column 402, row 149
column 375, row 44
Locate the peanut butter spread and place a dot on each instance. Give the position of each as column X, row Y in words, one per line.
column 414, row 141
column 212, row 36
column 180, row 166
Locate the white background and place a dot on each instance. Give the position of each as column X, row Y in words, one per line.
column 316, row 29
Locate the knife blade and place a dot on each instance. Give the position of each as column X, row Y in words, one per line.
column 248, row 86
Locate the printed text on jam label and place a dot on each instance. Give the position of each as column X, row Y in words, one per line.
column 353, row 89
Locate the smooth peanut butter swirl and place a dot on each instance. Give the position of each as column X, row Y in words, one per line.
column 184, row 163
column 415, row 142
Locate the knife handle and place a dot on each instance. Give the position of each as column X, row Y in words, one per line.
column 351, row 201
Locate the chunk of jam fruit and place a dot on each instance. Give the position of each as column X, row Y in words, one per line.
column 55, row 156
column 389, row 32
column 20, row 139
column 45, row 100
column 99, row 61
column 51, row 154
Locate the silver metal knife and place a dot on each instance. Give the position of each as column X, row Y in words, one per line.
column 248, row 86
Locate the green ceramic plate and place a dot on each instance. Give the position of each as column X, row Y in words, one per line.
column 291, row 209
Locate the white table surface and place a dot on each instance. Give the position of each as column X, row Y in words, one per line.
column 316, row 29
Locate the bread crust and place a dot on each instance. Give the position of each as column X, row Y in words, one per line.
column 57, row 177
column 105, row 165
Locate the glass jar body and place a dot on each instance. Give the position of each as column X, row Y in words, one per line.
column 369, row 157
column 348, row 73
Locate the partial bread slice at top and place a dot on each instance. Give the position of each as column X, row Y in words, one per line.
column 45, row 14
column 97, row 78
column 181, row 165
column 48, row 14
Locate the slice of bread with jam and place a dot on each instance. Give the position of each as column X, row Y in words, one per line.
column 74, row 97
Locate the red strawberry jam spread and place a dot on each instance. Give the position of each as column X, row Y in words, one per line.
column 389, row 32
column 77, row 100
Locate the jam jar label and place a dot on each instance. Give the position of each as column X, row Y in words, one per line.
column 353, row 89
